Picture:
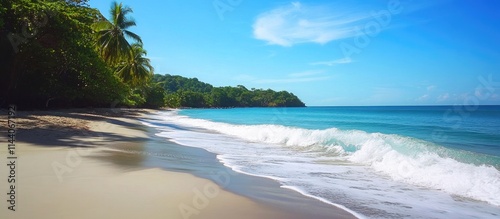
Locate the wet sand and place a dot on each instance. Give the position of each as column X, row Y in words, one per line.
column 89, row 163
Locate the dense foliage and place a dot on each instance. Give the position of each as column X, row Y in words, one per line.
column 190, row 92
column 50, row 57
column 62, row 53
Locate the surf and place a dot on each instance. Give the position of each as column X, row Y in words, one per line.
column 404, row 159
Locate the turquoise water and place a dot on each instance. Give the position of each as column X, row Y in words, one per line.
column 417, row 162
column 457, row 127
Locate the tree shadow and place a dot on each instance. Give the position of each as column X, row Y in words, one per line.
column 69, row 128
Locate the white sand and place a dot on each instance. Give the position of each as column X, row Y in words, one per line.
column 53, row 181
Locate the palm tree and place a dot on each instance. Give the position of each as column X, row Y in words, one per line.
column 137, row 70
column 112, row 35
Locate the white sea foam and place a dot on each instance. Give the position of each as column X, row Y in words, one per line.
column 371, row 174
column 402, row 158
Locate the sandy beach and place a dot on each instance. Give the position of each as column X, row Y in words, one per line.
column 75, row 164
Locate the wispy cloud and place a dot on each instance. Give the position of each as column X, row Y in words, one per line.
column 423, row 97
column 431, row 87
column 297, row 23
column 429, row 93
column 443, row 97
column 346, row 60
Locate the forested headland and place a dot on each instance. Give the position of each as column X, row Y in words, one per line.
column 63, row 53
column 189, row 92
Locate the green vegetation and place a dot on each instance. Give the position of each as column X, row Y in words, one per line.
column 186, row 92
column 112, row 34
column 62, row 53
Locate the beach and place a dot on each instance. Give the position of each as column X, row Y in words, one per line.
column 92, row 163
column 283, row 110
column 378, row 162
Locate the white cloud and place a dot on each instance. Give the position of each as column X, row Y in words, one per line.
column 423, row 97
column 297, row 23
column 443, row 97
column 334, row 62
column 431, row 87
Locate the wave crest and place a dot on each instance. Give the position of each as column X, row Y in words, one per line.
column 402, row 158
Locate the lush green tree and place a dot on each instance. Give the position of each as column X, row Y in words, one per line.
column 190, row 92
column 172, row 100
column 3, row 10
column 50, row 58
column 136, row 70
column 155, row 97
column 174, row 83
column 78, row 2
column 132, row 66
column 64, row 53
column 112, row 34
column 191, row 99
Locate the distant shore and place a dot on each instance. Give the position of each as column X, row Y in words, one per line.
column 74, row 164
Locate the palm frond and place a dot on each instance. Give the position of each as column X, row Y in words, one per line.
column 113, row 44
column 133, row 36
column 102, row 25
column 127, row 23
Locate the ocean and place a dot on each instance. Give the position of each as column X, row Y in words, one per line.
column 380, row 162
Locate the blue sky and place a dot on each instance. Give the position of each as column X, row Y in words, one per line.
column 329, row 52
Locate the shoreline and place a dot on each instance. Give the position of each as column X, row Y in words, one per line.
column 73, row 163
column 205, row 164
